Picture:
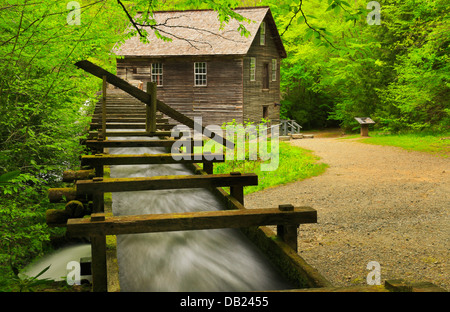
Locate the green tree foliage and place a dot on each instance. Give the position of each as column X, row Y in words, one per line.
column 45, row 100
column 339, row 66
column 416, row 35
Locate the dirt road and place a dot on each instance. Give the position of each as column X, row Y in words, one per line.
column 374, row 203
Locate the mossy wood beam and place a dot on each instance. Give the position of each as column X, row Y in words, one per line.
column 164, row 182
column 139, row 143
column 188, row 221
column 159, row 126
column 113, row 116
column 147, row 159
column 138, row 120
column 94, row 134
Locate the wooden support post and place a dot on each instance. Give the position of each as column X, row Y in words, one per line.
column 150, row 126
column 288, row 233
column 98, row 199
column 98, row 253
column 237, row 191
column 208, row 166
column 365, row 130
column 98, row 168
column 104, row 109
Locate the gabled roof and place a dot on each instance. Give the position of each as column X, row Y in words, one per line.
column 197, row 32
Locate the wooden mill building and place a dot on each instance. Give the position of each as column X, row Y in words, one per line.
column 208, row 71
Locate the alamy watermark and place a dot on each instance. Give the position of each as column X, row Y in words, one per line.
column 374, row 276
column 74, row 16
column 374, row 17
column 260, row 147
column 74, row 273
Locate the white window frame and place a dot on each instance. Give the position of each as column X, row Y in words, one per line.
column 200, row 74
column 262, row 34
column 274, row 69
column 159, row 73
column 252, row 68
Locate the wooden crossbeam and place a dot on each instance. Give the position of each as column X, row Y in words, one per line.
column 164, row 182
column 161, row 126
column 128, row 120
column 145, row 98
column 139, row 143
column 146, row 159
column 124, row 115
column 187, row 221
column 98, row 110
column 93, row 134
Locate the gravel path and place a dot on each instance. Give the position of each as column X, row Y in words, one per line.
column 374, row 203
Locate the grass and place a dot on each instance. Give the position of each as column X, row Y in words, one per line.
column 434, row 143
column 294, row 164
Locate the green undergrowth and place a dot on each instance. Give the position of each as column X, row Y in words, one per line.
column 434, row 143
column 294, row 164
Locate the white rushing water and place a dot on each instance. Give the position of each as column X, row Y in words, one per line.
column 207, row 260
column 58, row 261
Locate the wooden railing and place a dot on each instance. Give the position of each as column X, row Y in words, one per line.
column 287, row 126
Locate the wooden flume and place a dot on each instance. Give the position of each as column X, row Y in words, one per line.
column 90, row 185
column 86, row 196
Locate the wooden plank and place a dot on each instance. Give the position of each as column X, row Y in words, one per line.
column 145, row 159
column 93, row 134
column 136, row 126
column 138, row 143
column 145, row 97
column 128, row 120
column 188, row 221
column 164, row 182
column 124, row 115
column 73, row 175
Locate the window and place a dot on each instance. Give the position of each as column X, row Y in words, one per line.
column 157, row 73
column 265, row 77
column 262, row 34
column 200, row 74
column 252, row 68
column 274, row 69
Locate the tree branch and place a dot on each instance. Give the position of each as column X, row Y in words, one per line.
column 300, row 10
column 130, row 18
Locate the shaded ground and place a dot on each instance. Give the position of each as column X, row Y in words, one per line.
column 374, row 203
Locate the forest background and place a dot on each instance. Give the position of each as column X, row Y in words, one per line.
column 345, row 60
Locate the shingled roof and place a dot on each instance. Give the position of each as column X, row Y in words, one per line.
column 197, row 32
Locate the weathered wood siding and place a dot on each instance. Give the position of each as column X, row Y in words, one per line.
column 218, row 102
column 255, row 96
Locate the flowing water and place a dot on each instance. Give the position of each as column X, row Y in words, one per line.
column 58, row 261
column 206, row 260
